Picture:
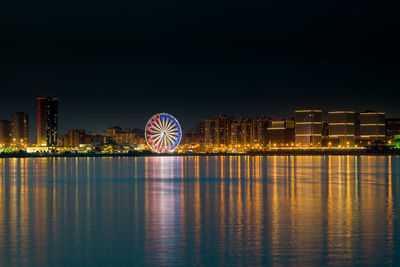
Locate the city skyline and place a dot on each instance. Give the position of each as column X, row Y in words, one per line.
column 33, row 130
column 304, row 128
column 62, row 129
column 93, row 124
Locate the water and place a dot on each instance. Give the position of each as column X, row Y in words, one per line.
column 247, row 210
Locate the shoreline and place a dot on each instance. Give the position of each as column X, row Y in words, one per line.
column 381, row 151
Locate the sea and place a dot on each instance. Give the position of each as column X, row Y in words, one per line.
column 200, row 211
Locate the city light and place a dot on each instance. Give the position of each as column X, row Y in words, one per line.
column 307, row 130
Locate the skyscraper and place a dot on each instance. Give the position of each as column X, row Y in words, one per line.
column 308, row 128
column 19, row 128
column 47, row 128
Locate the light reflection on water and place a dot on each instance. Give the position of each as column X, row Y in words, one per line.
column 292, row 210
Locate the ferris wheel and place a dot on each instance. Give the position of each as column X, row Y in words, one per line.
column 163, row 133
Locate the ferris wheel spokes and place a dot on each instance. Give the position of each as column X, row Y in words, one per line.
column 163, row 133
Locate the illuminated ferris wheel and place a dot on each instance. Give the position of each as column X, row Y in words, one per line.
column 163, row 133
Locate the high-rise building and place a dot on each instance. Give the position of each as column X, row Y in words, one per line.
column 341, row 127
column 209, row 129
column 217, row 131
column 392, row 128
column 241, row 132
column 47, row 128
column 372, row 127
column 308, row 128
column 260, row 125
column 5, row 132
column 222, row 130
column 19, row 128
column 199, row 130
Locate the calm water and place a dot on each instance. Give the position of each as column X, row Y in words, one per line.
column 291, row 210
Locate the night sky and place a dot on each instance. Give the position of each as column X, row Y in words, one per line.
column 119, row 62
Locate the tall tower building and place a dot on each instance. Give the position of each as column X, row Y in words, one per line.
column 341, row 127
column 47, row 128
column 308, row 128
column 19, row 128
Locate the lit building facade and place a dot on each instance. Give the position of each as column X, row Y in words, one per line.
column 199, row 130
column 222, row 130
column 242, row 132
column 308, row 128
column 5, row 132
column 260, row 126
column 194, row 136
column 217, row 131
column 209, row 128
column 191, row 137
column 372, row 127
column 20, row 128
column 126, row 136
column 93, row 138
column 129, row 137
column 76, row 137
column 112, row 132
column 47, row 121
column 341, row 128
column 280, row 133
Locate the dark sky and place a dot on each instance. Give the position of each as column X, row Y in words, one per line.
column 119, row 62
